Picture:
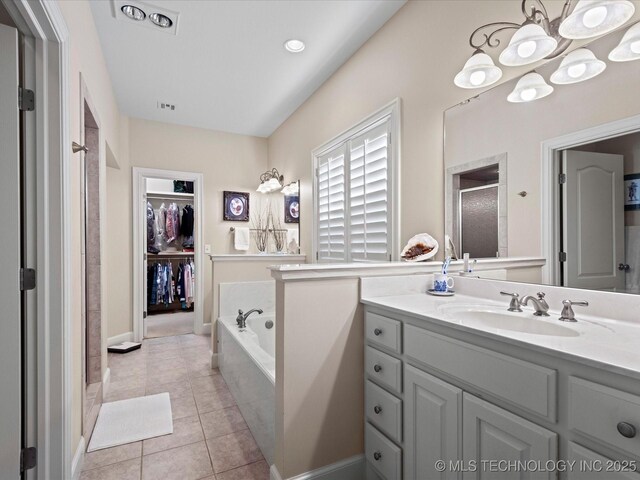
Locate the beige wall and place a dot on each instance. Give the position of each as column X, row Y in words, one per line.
column 85, row 58
column 319, row 374
column 414, row 56
column 228, row 162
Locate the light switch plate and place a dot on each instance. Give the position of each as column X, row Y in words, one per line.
column 207, row 249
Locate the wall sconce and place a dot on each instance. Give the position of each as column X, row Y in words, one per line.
column 270, row 181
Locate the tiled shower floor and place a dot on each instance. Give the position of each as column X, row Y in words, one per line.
column 210, row 438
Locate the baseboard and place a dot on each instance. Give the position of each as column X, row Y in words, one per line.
column 123, row 337
column 351, row 468
column 206, row 328
column 106, row 378
column 214, row 359
column 78, row 460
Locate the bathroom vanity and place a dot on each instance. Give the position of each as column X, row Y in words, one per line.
column 459, row 387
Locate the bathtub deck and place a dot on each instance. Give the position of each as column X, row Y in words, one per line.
column 211, row 440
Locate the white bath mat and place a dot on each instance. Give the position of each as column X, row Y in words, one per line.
column 132, row 420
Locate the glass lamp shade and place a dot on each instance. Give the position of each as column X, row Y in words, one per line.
column 273, row 185
column 530, row 87
column 591, row 18
column 479, row 71
column 290, row 189
column 578, row 66
column 629, row 47
column 528, row 45
column 262, row 188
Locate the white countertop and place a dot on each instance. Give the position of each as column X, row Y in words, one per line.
column 259, row 257
column 609, row 344
column 311, row 271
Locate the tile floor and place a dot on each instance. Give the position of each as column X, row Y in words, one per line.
column 210, row 440
column 170, row 324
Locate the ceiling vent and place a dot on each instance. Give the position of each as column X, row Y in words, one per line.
column 166, row 106
column 145, row 15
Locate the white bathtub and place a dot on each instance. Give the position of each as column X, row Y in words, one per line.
column 247, row 363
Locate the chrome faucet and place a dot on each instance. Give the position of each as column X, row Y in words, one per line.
column 540, row 304
column 514, row 306
column 567, row 314
column 241, row 319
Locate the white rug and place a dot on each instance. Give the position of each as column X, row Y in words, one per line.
column 132, row 420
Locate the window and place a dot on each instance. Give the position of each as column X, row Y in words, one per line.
column 354, row 215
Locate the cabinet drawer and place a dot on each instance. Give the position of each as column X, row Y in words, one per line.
column 384, row 410
column 525, row 385
column 382, row 454
column 383, row 331
column 596, row 411
column 590, row 465
column 383, row 369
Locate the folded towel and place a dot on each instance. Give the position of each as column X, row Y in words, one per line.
column 241, row 238
column 293, row 242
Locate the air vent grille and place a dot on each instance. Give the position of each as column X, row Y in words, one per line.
column 166, row 106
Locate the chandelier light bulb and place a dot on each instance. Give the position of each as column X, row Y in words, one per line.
column 635, row 46
column 528, row 94
column 576, row 71
column 477, row 78
column 594, row 17
column 526, row 49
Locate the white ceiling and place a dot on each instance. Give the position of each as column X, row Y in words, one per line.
column 226, row 69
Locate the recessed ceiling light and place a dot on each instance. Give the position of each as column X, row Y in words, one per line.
column 160, row 20
column 294, row 46
column 134, row 13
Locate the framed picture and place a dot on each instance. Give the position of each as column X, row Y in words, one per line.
column 236, row 206
column 292, row 209
column 632, row 192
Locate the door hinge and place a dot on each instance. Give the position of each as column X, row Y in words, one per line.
column 562, row 178
column 562, row 256
column 28, row 458
column 144, row 314
column 26, row 100
column 27, row 279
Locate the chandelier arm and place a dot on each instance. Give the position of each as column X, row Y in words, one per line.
column 489, row 39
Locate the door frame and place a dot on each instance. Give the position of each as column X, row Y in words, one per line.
column 48, row 151
column 550, row 188
column 139, row 175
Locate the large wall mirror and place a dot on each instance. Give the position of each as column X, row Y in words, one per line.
column 557, row 177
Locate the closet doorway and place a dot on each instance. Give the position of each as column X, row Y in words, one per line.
column 167, row 237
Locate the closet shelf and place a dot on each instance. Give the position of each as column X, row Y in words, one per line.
column 170, row 255
column 169, row 195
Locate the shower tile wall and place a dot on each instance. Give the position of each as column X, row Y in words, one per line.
column 94, row 308
column 632, row 245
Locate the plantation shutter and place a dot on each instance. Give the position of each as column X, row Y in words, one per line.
column 331, row 206
column 369, row 209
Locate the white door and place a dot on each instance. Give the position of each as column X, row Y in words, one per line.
column 432, row 425
column 494, row 438
column 10, row 321
column 593, row 220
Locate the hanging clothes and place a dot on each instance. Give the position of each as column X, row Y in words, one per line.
column 151, row 232
column 186, row 227
column 172, row 223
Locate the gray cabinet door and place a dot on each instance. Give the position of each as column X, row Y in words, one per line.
column 432, row 422
column 502, row 445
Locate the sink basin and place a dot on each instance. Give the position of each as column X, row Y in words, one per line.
column 486, row 317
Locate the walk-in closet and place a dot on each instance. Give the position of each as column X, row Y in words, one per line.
column 171, row 273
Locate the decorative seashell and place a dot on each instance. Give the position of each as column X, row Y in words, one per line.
column 420, row 242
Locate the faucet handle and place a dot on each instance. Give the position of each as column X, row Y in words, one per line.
column 568, row 315
column 514, row 306
column 541, row 295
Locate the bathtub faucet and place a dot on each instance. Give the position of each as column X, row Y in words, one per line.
column 241, row 319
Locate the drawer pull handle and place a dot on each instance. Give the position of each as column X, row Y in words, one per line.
column 377, row 409
column 377, row 332
column 626, row 430
column 377, row 456
column 377, row 367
